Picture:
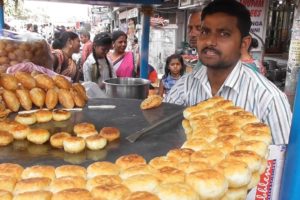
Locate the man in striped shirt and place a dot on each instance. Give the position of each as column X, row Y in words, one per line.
column 224, row 33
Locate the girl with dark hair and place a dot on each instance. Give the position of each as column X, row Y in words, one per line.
column 97, row 68
column 124, row 63
column 174, row 69
column 63, row 48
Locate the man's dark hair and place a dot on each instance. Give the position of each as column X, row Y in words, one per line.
column 232, row 8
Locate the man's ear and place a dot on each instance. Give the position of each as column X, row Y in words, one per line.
column 246, row 42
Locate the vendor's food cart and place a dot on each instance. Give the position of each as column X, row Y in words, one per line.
column 129, row 118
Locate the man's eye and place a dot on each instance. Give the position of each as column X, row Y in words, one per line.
column 225, row 34
column 203, row 32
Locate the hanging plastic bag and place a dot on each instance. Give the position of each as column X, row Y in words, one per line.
column 28, row 47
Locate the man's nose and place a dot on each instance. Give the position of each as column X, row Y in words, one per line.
column 193, row 32
column 212, row 39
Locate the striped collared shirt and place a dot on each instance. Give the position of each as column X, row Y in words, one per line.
column 247, row 89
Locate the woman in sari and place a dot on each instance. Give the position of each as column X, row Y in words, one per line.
column 63, row 48
column 124, row 63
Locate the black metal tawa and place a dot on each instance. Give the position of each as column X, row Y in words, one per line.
column 126, row 116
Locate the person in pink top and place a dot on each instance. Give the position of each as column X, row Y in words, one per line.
column 87, row 48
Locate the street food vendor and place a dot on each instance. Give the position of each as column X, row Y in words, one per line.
column 224, row 34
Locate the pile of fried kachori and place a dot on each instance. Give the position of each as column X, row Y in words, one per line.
column 24, row 90
column 223, row 158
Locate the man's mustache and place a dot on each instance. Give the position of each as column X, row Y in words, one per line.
column 210, row 49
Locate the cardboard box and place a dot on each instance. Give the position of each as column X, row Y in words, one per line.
column 269, row 184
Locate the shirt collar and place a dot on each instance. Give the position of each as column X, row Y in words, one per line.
column 233, row 80
column 200, row 73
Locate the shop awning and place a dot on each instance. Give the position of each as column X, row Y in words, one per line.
column 111, row 2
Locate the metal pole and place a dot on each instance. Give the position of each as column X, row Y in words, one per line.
column 289, row 188
column 291, row 174
column 185, row 25
column 144, row 52
column 1, row 15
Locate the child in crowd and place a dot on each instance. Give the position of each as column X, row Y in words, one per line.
column 97, row 68
column 174, row 69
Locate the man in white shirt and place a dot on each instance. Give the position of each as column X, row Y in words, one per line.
column 224, row 33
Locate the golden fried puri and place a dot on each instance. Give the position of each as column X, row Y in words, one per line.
column 61, row 82
column 80, row 89
column 27, row 118
column 61, row 115
column 37, row 96
column 11, row 100
column 78, row 99
column 130, row 160
column 5, row 195
column 25, row 79
column 74, row 194
column 65, row 98
column 5, row 138
column 8, row 82
column 11, row 170
column 51, row 99
column 141, row 196
column 44, row 81
column 152, row 101
column 38, row 136
column 57, row 139
column 73, row 144
column 43, row 115
column 24, row 98
column 110, row 133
